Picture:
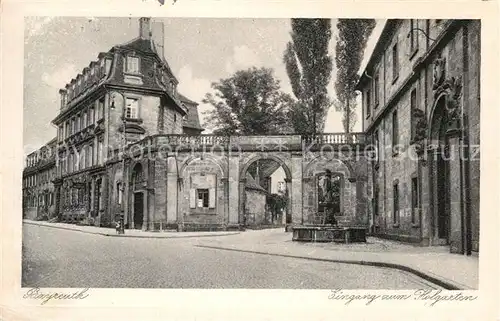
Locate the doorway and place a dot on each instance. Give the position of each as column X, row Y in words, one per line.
column 138, row 210
column 441, row 178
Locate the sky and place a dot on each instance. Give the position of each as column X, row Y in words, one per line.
column 199, row 51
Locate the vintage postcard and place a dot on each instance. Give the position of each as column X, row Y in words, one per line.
column 178, row 160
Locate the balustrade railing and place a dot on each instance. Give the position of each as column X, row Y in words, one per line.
column 336, row 138
column 179, row 141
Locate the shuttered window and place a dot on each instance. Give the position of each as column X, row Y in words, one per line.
column 192, row 198
column 211, row 197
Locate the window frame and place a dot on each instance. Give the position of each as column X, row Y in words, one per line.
column 413, row 105
column 138, row 102
column 128, row 59
column 396, row 215
column 395, row 61
column 368, row 103
column 205, row 200
column 413, row 37
column 415, row 200
column 395, row 132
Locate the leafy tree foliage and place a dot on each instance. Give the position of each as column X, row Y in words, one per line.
column 276, row 203
column 309, row 68
column 250, row 102
column 351, row 43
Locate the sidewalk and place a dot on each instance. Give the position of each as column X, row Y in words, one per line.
column 435, row 264
column 128, row 233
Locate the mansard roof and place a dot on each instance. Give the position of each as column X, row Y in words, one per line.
column 192, row 119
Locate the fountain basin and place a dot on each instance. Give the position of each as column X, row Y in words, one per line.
column 329, row 233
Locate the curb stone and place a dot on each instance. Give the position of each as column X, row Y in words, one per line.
column 446, row 284
column 129, row 235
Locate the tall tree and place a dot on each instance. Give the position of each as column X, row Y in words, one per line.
column 352, row 37
column 250, row 102
column 309, row 68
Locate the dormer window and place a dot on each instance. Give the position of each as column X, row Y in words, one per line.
column 132, row 65
column 102, row 67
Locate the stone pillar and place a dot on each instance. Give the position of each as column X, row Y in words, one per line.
column 104, row 212
column 361, row 214
column 242, row 201
column 296, row 189
column 234, row 186
column 92, row 196
column 455, row 189
column 171, row 191
column 289, row 204
column 145, row 204
column 126, row 194
column 225, row 181
column 425, row 201
column 57, row 200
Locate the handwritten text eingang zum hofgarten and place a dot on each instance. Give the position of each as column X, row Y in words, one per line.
column 428, row 297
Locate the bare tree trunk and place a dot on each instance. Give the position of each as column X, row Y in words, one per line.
column 348, row 117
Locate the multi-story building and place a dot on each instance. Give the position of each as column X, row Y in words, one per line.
column 129, row 93
column 421, row 102
column 38, row 190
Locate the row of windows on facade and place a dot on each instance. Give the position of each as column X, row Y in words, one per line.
column 74, row 196
column 82, row 120
column 40, row 200
column 87, row 156
column 395, row 135
column 39, row 178
column 89, row 76
column 396, row 211
column 42, row 154
column 375, row 88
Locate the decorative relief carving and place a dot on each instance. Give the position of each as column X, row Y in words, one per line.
column 419, row 125
column 439, row 72
column 452, row 88
column 453, row 105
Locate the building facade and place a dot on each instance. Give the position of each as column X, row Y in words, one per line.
column 127, row 94
column 421, row 107
column 38, row 190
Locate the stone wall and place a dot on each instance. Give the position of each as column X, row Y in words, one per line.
column 255, row 207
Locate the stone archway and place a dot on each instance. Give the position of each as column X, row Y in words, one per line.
column 243, row 182
column 350, row 190
column 139, row 208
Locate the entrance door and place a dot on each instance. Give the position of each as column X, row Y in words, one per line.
column 443, row 198
column 138, row 210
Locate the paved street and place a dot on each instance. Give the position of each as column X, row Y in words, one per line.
column 61, row 258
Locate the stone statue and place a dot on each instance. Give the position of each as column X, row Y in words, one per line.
column 329, row 217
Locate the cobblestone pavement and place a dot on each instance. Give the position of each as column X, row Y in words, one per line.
column 62, row 258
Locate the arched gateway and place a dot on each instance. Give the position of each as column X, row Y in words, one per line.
column 201, row 182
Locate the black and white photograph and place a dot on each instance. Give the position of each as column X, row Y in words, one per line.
column 219, row 153
column 222, row 161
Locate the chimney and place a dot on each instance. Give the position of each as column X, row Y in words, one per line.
column 145, row 28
